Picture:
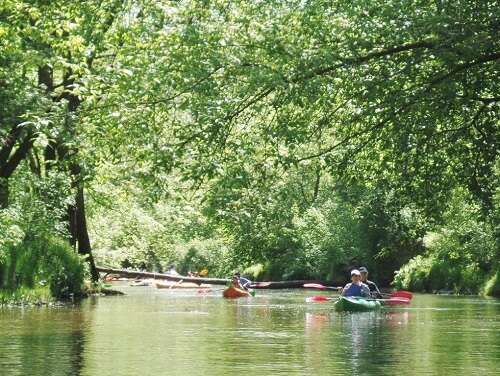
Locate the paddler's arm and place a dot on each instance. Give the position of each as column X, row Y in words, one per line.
column 365, row 291
column 245, row 283
column 376, row 293
column 344, row 290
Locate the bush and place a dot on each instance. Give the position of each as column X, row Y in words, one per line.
column 492, row 285
column 414, row 275
column 65, row 269
column 430, row 274
column 11, row 236
column 199, row 254
column 331, row 239
column 137, row 235
column 42, row 261
column 25, row 295
column 460, row 255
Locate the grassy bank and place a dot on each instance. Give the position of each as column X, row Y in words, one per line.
column 41, row 296
column 26, row 296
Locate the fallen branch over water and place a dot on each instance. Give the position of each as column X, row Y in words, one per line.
column 149, row 275
column 213, row 281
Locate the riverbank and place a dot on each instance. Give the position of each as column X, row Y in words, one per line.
column 24, row 296
column 41, row 296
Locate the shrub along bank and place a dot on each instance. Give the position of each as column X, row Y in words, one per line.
column 36, row 267
column 461, row 256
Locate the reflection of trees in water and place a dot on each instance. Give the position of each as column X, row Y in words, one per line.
column 47, row 342
column 265, row 335
column 374, row 339
column 315, row 321
column 316, row 330
column 360, row 327
column 77, row 351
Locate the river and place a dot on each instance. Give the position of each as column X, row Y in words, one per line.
column 173, row 332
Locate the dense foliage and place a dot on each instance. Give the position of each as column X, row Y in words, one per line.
column 294, row 139
column 34, row 250
column 459, row 255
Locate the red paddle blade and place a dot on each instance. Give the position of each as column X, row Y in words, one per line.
column 318, row 299
column 314, row 286
column 402, row 294
column 396, row 301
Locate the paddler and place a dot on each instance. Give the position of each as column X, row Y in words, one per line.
column 244, row 282
column 171, row 270
column 374, row 291
column 356, row 287
column 235, row 282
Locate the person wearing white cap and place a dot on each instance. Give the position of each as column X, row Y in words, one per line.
column 375, row 292
column 356, row 287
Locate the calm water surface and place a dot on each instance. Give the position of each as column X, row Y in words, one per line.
column 173, row 332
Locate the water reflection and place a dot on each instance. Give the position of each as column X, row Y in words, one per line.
column 42, row 341
column 180, row 332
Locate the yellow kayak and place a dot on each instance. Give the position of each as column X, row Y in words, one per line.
column 182, row 285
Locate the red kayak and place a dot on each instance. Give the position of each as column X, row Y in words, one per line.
column 233, row 292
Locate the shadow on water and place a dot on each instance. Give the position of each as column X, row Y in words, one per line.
column 42, row 341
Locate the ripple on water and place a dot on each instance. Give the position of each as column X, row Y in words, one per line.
column 177, row 333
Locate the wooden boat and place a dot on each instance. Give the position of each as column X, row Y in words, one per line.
column 182, row 285
column 355, row 304
column 233, row 292
column 140, row 283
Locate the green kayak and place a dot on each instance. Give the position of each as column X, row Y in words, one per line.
column 352, row 304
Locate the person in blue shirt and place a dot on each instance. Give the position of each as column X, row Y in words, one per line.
column 356, row 287
column 244, row 282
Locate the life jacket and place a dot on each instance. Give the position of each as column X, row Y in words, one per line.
column 353, row 290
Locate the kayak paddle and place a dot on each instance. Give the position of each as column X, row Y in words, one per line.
column 395, row 300
column 402, row 294
column 319, row 299
column 321, row 287
column 395, row 294
column 390, row 301
column 204, row 291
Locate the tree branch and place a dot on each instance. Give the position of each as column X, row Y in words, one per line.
column 20, row 153
column 426, row 44
column 484, row 59
column 8, row 143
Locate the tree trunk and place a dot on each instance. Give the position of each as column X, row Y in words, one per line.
column 170, row 277
column 11, row 162
column 4, row 193
column 316, row 184
column 81, row 231
column 77, row 223
column 212, row 281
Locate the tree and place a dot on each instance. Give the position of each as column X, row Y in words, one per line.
column 406, row 97
column 63, row 39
